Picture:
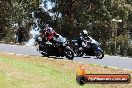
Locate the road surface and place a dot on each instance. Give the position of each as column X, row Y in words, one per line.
column 113, row 61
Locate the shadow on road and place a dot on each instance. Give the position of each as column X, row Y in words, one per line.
column 87, row 57
column 54, row 57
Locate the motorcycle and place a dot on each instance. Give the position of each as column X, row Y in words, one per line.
column 59, row 48
column 88, row 48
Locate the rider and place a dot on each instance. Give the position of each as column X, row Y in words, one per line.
column 83, row 37
column 48, row 33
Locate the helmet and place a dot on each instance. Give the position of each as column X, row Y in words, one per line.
column 84, row 33
column 46, row 27
column 40, row 39
column 49, row 30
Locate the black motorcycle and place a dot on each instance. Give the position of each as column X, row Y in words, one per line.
column 55, row 48
column 88, row 49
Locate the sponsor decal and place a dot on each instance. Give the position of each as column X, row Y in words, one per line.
column 82, row 77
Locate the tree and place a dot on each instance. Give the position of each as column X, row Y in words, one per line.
column 16, row 11
column 96, row 17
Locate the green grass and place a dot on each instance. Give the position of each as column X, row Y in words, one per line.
column 15, row 73
column 3, row 80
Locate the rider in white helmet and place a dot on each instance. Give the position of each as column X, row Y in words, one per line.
column 84, row 33
column 83, row 37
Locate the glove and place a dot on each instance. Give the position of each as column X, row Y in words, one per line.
column 83, row 44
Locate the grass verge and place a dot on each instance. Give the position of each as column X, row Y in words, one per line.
column 39, row 72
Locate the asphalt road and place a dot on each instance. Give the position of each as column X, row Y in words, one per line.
column 113, row 61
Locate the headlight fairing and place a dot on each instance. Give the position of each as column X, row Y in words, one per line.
column 40, row 39
column 65, row 43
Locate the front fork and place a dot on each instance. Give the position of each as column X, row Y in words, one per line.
column 99, row 49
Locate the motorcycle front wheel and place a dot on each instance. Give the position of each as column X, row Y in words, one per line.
column 69, row 54
column 78, row 52
column 45, row 53
column 99, row 54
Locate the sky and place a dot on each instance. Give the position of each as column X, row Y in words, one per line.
column 49, row 6
column 33, row 32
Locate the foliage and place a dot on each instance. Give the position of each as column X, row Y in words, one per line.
column 69, row 17
column 16, row 12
